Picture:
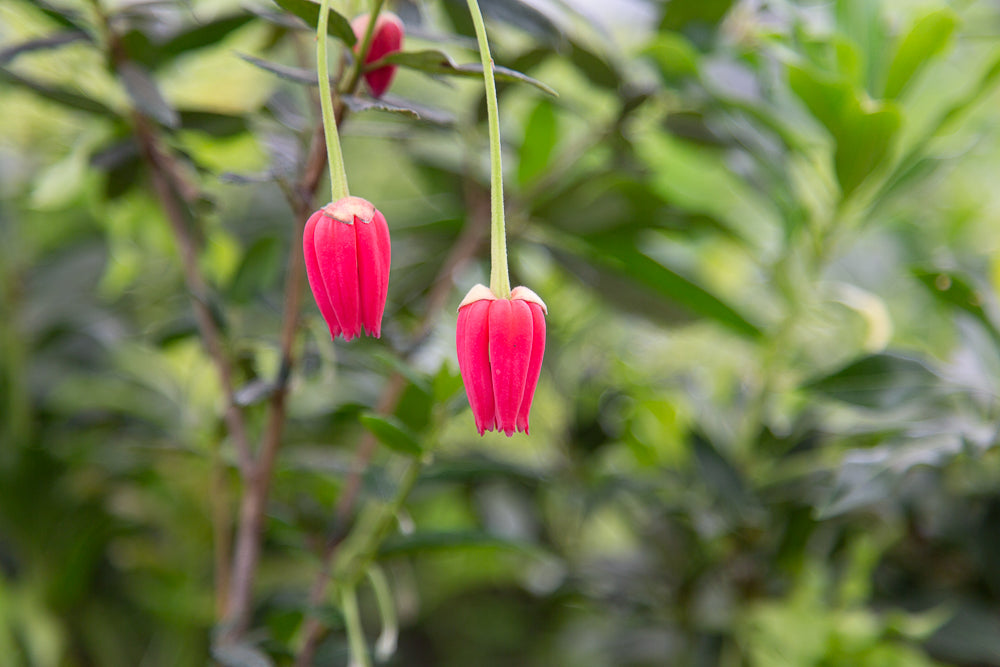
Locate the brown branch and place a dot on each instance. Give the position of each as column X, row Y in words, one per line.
column 166, row 183
column 464, row 248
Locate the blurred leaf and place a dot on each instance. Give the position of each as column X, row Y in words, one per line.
column 287, row 72
column 674, row 56
column 621, row 254
column 701, row 181
column 59, row 95
column 202, row 35
column 927, row 38
column 540, row 137
column 439, row 62
column 214, row 124
column 240, row 655
column 955, row 290
column 308, row 11
column 146, row 95
column 258, row 271
column 864, row 132
column 722, row 478
column 598, row 70
column 513, row 12
column 392, row 433
column 398, row 105
column 866, row 141
column 424, row 541
column 679, row 16
column 41, row 43
column 879, row 381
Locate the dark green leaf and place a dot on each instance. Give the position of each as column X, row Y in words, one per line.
column 438, row 62
column 49, row 42
column 594, row 67
column 308, row 11
column 206, row 34
column 287, row 72
column 259, row 269
column 359, row 104
column 879, row 381
column 59, row 95
column 540, row 136
column 392, row 433
column 146, row 95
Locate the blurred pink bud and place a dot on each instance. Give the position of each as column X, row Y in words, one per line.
column 500, row 347
column 387, row 38
column 347, row 253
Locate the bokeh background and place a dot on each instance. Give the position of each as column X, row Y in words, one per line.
column 765, row 434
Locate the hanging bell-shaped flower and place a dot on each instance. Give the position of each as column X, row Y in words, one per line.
column 500, row 347
column 387, row 38
column 347, row 254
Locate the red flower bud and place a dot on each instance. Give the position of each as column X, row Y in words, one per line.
column 500, row 347
column 347, row 253
column 387, row 38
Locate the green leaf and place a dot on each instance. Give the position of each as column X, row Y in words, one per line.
column 619, row 253
column 258, row 271
column 392, row 433
column 540, row 137
column 308, row 11
column 928, row 37
column 207, row 34
column 439, row 62
column 864, row 144
column 424, row 541
column 287, row 72
column 58, row 95
column 53, row 41
column 146, row 95
column 674, row 55
column 598, row 70
column 398, row 105
column 954, row 289
column 879, row 382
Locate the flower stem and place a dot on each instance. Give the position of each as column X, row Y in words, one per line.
column 352, row 620
column 338, row 176
column 499, row 277
column 362, row 48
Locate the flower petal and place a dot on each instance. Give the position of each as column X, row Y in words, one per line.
column 510, row 352
column 534, row 364
column 336, row 251
column 315, row 276
column 472, row 342
column 374, row 257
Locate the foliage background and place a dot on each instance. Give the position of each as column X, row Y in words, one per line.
column 765, row 432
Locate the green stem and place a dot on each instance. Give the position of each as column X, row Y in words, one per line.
column 338, row 176
column 352, row 621
column 499, row 277
column 386, row 644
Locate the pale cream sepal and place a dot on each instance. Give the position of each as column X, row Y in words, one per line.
column 525, row 294
column 477, row 293
column 347, row 209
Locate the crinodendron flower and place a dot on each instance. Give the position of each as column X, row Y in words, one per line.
column 386, row 38
column 347, row 254
column 500, row 347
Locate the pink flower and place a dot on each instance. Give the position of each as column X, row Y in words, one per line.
column 387, row 38
column 500, row 347
column 347, row 253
